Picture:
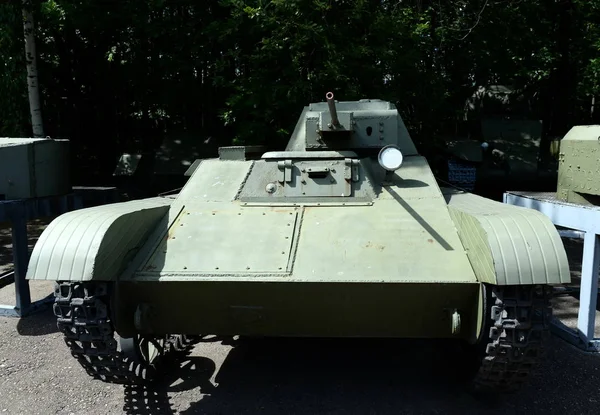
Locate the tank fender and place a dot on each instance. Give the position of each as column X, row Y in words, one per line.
column 94, row 243
column 508, row 245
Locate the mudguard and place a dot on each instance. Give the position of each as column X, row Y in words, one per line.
column 94, row 243
column 508, row 245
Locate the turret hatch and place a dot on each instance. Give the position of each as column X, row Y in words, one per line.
column 304, row 176
column 316, row 177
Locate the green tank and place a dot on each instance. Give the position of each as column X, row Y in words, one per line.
column 344, row 233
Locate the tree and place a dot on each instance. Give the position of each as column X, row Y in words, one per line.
column 121, row 77
column 35, row 106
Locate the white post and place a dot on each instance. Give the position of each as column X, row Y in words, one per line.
column 588, row 293
column 35, row 107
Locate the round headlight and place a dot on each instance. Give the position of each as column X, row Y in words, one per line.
column 390, row 157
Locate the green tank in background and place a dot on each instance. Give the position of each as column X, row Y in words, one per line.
column 503, row 147
column 343, row 233
column 579, row 166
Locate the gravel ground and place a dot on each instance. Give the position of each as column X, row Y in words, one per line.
column 305, row 376
column 38, row 376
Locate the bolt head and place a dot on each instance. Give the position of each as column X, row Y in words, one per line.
column 270, row 188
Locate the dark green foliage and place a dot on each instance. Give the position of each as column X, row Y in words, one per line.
column 14, row 110
column 120, row 76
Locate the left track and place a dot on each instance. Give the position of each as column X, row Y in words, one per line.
column 83, row 316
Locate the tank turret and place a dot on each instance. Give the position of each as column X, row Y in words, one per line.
column 337, row 150
column 363, row 126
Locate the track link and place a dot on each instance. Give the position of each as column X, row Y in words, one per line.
column 518, row 325
column 83, row 317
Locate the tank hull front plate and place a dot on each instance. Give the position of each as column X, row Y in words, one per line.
column 410, row 310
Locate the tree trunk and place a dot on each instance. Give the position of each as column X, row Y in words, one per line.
column 565, row 72
column 32, row 74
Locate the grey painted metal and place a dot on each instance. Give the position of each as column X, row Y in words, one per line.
column 567, row 233
column 20, row 258
column 13, row 311
column 571, row 336
column 584, row 218
column 33, row 168
column 7, row 278
column 589, row 285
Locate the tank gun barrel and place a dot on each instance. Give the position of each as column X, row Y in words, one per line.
column 332, row 110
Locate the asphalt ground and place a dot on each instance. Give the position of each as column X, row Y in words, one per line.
column 288, row 376
column 304, row 376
